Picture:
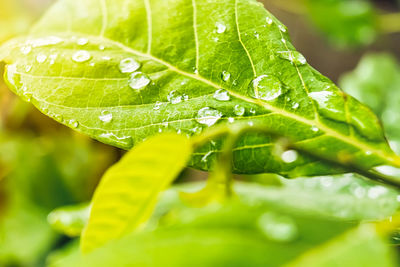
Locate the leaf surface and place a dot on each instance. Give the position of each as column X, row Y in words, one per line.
column 121, row 71
column 129, row 191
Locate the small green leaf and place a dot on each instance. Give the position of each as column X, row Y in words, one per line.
column 125, row 71
column 70, row 220
column 129, row 190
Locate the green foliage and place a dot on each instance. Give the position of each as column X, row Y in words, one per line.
column 345, row 23
column 128, row 192
column 70, row 220
column 121, row 76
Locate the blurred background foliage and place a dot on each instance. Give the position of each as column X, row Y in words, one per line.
column 44, row 165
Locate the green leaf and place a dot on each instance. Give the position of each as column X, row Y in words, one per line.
column 376, row 82
column 70, row 220
column 129, row 190
column 345, row 23
column 123, row 71
column 359, row 247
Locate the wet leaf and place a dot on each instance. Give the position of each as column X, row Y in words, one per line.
column 123, row 71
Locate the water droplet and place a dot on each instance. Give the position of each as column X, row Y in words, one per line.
column 28, row 68
column 26, row 49
column 225, row 76
column 293, row 56
column 277, row 227
column 81, row 56
column 82, row 41
column 106, row 58
column 208, row 116
column 283, row 41
column 128, row 65
column 327, row 104
column 388, row 170
column 252, row 111
column 27, row 96
column 139, row 80
column 123, row 141
column 174, row 97
column 157, row 105
column 185, row 97
column 106, row 116
column 102, row 47
column 250, row 123
column 314, row 129
column 58, row 117
column 269, row 20
column 40, row 58
column 74, row 123
column 295, row 105
column 257, row 35
column 50, row 40
column 289, row 156
column 222, row 95
column 282, row 28
column 231, row 120
column 239, row 110
column 53, row 58
column 220, row 28
column 267, row 87
column 377, row 191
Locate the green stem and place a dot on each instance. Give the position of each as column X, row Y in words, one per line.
column 344, row 163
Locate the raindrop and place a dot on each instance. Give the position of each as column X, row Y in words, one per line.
column 220, row 28
column 204, row 159
column 157, row 105
column 124, row 141
column 325, row 102
column 106, row 116
column 239, row 110
column 208, row 116
column 269, row 20
column 74, row 123
column 222, row 95
column 295, row 105
column 277, row 227
column 225, row 76
column 139, row 80
column 82, row 41
column 231, row 120
column 256, row 35
column 128, row 65
column 267, row 87
column 174, row 98
column 28, row 68
column 53, row 58
column 102, row 47
column 41, row 58
column 81, row 56
column 106, row 58
column 252, row 111
column 26, row 49
column 289, row 156
column 282, row 28
column 314, row 129
column 293, row 56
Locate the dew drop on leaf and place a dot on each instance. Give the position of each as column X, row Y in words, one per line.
column 269, row 20
column 295, row 105
column 282, row 28
column 82, row 41
column 81, row 56
column 208, row 116
column 289, row 156
column 293, row 56
column 314, row 129
column 40, row 58
column 157, row 105
column 26, row 49
column 267, row 87
column 123, row 141
column 139, row 80
column 220, row 28
column 128, row 65
column 174, row 97
column 239, row 110
column 277, row 227
column 222, row 95
column 252, row 111
column 225, row 76
column 106, row 116
column 74, row 123
column 231, row 120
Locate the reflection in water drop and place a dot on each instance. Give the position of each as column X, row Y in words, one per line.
column 225, row 76
column 239, row 110
column 220, row 28
column 106, row 116
column 208, row 116
column 128, row 65
column 124, row 141
column 139, row 80
column 222, row 95
column 293, row 56
column 267, row 87
column 81, row 56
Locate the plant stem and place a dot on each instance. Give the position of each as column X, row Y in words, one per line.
column 343, row 163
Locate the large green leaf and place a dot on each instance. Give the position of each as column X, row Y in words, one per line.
column 129, row 191
column 121, row 71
